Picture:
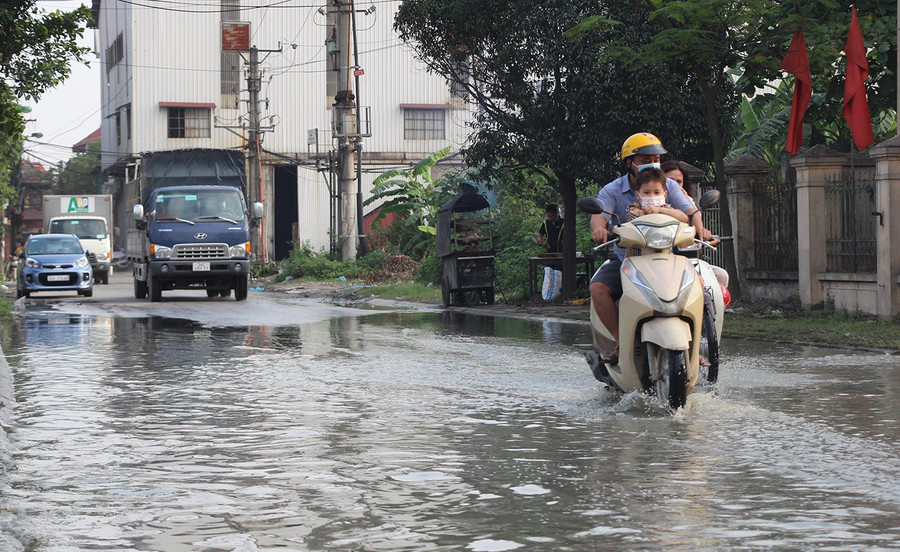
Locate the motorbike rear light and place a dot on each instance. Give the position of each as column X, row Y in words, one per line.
column 726, row 295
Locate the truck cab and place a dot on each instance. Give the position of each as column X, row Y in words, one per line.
column 93, row 233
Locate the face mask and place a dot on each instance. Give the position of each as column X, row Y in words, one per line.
column 648, row 166
column 653, row 201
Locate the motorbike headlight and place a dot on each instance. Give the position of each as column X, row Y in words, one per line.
column 31, row 262
column 160, row 251
column 82, row 262
column 239, row 250
column 659, row 237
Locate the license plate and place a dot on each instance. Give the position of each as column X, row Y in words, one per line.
column 57, row 278
column 201, row 267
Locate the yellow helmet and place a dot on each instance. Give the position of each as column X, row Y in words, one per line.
column 643, row 143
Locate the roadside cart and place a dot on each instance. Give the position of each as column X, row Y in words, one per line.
column 465, row 243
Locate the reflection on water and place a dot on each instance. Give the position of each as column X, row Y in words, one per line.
column 430, row 431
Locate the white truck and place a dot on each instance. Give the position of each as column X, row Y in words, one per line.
column 90, row 218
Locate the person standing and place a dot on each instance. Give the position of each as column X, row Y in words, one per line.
column 550, row 234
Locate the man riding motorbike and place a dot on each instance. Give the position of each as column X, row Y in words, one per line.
column 639, row 152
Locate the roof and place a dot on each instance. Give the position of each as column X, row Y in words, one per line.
column 91, row 138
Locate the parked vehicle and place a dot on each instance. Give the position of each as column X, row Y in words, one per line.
column 660, row 312
column 191, row 225
column 90, row 218
column 54, row 262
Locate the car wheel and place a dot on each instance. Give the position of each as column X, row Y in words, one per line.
column 89, row 292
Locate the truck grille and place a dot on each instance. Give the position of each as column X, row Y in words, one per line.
column 200, row 251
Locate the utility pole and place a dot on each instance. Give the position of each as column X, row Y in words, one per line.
column 254, row 130
column 345, row 127
column 254, row 148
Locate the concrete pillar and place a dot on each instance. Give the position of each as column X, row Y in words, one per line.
column 815, row 168
column 887, row 232
column 742, row 175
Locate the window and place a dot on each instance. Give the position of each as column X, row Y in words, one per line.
column 230, row 62
column 118, row 128
column 189, row 122
column 423, row 124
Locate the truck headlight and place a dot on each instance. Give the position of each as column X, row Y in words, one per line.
column 239, row 250
column 81, row 262
column 32, row 263
column 160, row 251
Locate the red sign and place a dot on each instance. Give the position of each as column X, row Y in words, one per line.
column 358, row 72
column 235, row 35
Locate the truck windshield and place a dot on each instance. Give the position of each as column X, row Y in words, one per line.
column 197, row 205
column 85, row 229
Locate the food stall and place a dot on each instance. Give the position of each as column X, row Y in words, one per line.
column 465, row 243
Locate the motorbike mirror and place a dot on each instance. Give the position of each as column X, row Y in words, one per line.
column 709, row 198
column 590, row 205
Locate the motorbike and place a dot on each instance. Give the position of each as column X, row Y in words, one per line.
column 661, row 311
column 716, row 298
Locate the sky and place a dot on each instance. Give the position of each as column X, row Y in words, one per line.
column 71, row 111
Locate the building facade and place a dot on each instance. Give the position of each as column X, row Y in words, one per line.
column 168, row 84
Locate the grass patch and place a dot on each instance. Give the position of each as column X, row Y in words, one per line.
column 408, row 291
column 814, row 326
column 6, row 309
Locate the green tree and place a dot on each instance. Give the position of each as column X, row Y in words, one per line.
column 716, row 41
column 544, row 103
column 414, row 196
column 36, row 50
column 81, row 173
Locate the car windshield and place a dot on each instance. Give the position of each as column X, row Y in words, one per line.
column 91, row 229
column 195, row 205
column 54, row 246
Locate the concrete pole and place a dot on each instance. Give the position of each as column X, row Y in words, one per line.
column 253, row 148
column 346, row 126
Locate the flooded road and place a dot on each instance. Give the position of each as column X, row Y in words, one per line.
column 429, row 431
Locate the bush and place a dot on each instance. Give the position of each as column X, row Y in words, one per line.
column 430, row 270
column 376, row 265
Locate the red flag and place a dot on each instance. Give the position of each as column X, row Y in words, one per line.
column 796, row 63
column 856, row 106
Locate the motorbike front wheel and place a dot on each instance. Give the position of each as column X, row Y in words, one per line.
column 671, row 385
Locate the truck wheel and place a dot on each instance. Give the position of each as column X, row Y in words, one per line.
column 154, row 289
column 225, row 293
column 140, row 289
column 240, row 288
column 212, row 292
column 105, row 278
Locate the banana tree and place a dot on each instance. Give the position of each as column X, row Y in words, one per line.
column 414, row 197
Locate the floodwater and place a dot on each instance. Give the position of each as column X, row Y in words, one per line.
column 430, row 431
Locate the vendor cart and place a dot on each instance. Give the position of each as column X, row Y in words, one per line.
column 465, row 243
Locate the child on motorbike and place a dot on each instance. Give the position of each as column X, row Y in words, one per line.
column 651, row 197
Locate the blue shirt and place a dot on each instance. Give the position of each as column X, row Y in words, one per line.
column 618, row 195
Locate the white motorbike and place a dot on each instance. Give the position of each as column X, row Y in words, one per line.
column 661, row 311
column 716, row 299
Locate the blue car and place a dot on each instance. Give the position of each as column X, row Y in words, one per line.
column 54, row 262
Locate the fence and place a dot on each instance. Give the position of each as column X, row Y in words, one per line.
column 774, row 223
column 850, row 240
